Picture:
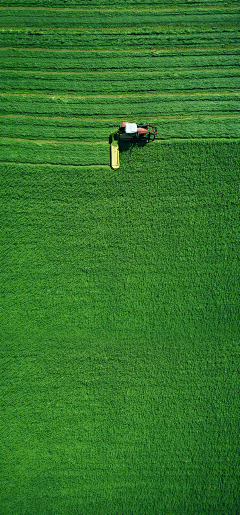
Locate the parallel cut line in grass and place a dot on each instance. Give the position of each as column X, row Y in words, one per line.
column 123, row 9
column 55, row 142
column 157, row 141
column 53, row 164
column 109, row 120
column 137, row 50
column 163, row 28
column 106, row 142
column 117, row 72
column 126, row 95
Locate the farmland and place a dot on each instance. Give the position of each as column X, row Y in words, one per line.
column 119, row 288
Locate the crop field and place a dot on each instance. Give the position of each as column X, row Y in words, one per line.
column 119, row 306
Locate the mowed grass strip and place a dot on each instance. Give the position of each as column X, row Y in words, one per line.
column 133, row 105
column 228, row 79
column 136, row 38
column 208, row 126
column 104, row 19
column 119, row 329
column 145, row 60
column 90, row 4
column 54, row 152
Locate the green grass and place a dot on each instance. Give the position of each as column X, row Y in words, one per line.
column 119, row 309
column 119, row 334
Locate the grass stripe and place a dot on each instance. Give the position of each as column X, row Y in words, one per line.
column 124, row 9
column 110, row 120
column 52, row 142
column 153, row 50
column 54, row 165
column 135, row 95
column 130, row 75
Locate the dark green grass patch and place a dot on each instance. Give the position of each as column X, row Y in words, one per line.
column 119, row 334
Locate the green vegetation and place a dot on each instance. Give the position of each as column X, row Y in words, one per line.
column 119, row 322
column 120, row 330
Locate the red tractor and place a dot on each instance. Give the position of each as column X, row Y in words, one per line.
column 128, row 132
column 132, row 130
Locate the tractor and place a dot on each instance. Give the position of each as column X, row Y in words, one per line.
column 130, row 132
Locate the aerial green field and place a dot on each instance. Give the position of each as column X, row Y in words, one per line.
column 119, row 289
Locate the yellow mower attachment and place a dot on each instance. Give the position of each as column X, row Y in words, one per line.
column 115, row 163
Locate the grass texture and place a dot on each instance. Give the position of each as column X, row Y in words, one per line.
column 119, row 344
column 119, row 310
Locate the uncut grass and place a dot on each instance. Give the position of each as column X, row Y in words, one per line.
column 119, row 334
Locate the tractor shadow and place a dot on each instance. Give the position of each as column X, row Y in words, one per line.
column 128, row 145
column 125, row 146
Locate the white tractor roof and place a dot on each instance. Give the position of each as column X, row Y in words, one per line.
column 130, row 128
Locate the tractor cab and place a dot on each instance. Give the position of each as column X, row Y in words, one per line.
column 127, row 135
column 133, row 130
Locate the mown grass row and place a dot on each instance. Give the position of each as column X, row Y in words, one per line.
column 124, row 83
column 76, row 4
column 54, row 153
column 148, row 60
column 73, row 152
column 142, row 105
column 74, row 19
column 227, row 126
column 117, row 39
